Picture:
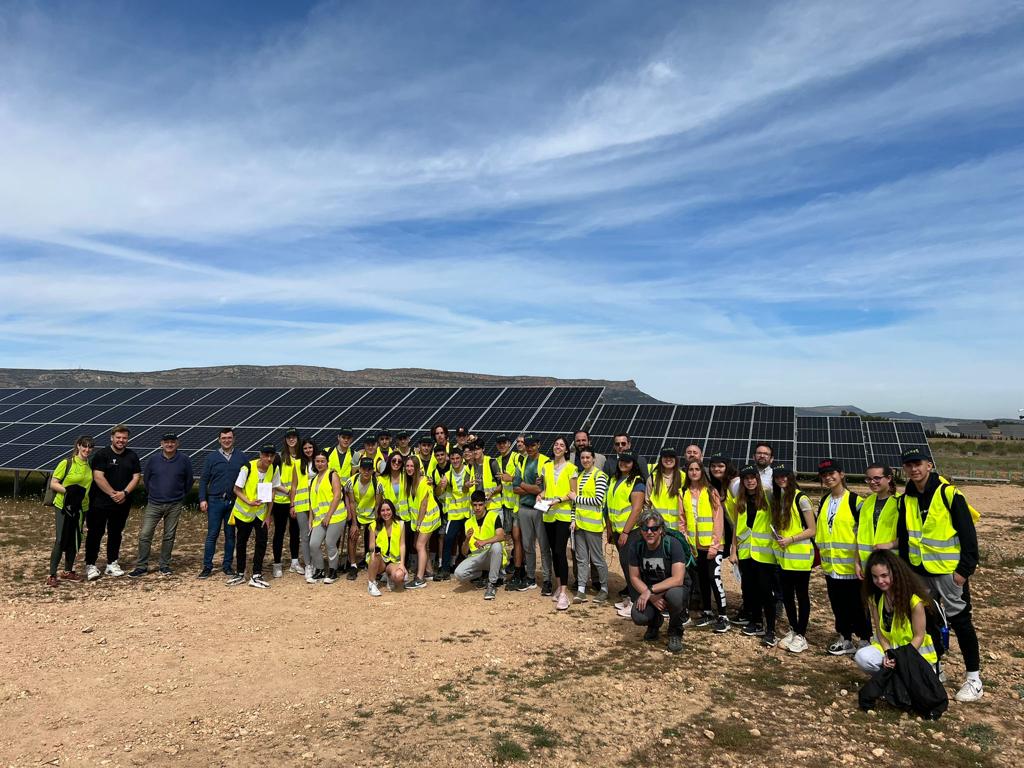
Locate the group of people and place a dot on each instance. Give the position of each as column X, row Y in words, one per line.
column 408, row 516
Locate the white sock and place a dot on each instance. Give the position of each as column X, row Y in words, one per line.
column 975, row 676
column 295, row 561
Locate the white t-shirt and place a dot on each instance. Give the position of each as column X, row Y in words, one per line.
column 243, row 475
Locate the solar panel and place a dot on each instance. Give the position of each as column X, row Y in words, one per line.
column 152, row 396
column 429, row 397
column 506, row 419
column 573, row 397
column 116, row 396
column 733, row 449
column 6, row 392
column 385, row 396
column 910, row 434
column 85, row 396
column 272, row 416
column 342, row 396
column 300, row 397
column 317, row 416
column 25, row 395
column 558, row 420
column 11, row 432
column 884, row 446
column 52, row 396
column 614, row 418
column 522, row 397
column 22, row 412
column 225, row 395
column 651, row 420
column 457, row 417
column 474, row 397
column 364, row 416
column 410, row 418
column 259, row 397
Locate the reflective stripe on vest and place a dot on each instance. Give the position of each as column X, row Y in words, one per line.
column 509, row 464
column 704, row 524
column 490, row 484
column 342, row 467
column 365, row 498
column 618, row 501
column 762, row 542
column 390, row 546
column 902, row 631
column 838, row 544
column 397, row 498
column 590, row 518
column 456, row 502
column 483, row 529
column 744, row 535
column 302, row 490
column 249, row 512
column 932, row 542
column 289, row 469
column 664, row 501
column 870, row 536
column 321, row 494
column 432, row 516
column 798, row 556
column 558, row 488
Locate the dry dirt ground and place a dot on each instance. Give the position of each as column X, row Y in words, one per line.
column 163, row 671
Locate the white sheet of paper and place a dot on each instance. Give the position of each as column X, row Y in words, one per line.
column 264, row 492
column 543, row 506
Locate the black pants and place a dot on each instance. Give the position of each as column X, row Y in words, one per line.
column 709, row 580
column 282, row 515
column 966, row 635
column 110, row 520
column 242, row 531
column 66, row 541
column 797, row 599
column 844, row 597
column 765, row 579
column 748, row 589
column 558, row 540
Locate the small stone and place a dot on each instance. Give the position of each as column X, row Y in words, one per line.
column 848, row 758
column 877, row 751
column 87, row 631
column 755, row 732
column 709, row 734
column 843, row 692
column 993, row 655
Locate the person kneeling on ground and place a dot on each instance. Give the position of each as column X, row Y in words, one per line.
column 658, row 580
column 484, row 547
column 388, row 555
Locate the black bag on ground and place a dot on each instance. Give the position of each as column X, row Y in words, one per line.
column 912, row 686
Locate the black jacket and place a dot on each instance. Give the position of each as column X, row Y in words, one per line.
column 960, row 517
column 911, row 686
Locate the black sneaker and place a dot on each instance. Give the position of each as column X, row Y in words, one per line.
column 705, row 620
column 353, row 573
column 768, row 640
column 740, row 619
column 752, row 629
column 362, row 565
column 165, row 571
column 511, row 584
column 675, row 643
column 530, row 583
column 319, row 574
column 547, row 590
column 446, row 575
column 205, row 573
column 137, row 573
column 439, row 575
column 651, row 633
column 480, row 582
column 721, row 625
column 524, row 585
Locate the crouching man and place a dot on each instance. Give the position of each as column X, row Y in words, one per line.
column 658, row 580
column 484, row 547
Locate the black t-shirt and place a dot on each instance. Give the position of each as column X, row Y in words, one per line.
column 654, row 565
column 117, row 468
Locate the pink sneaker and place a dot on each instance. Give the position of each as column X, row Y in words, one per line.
column 563, row 601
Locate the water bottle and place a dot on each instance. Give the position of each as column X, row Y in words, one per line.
column 944, row 634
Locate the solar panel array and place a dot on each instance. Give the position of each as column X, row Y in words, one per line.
column 38, row 426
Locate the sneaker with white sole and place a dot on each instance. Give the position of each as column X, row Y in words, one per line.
column 721, row 625
column 278, row 571
column 842, row 647
column 113, row 569
column 296, row 568
column 706, row 619
column 308, row 573
column 798, row 644
column 91, row 573
column 971, row 690
column 625, row 613
column 235, row 580
column 258, row 582
column 787, row 639
column 373, row 589
column 624, row 603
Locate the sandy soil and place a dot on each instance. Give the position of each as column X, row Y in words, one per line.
column 156, row 672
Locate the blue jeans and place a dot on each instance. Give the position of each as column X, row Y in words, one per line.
column 218, row 512
column 452, row 532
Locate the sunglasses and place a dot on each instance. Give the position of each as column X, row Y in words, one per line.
column 651, row 528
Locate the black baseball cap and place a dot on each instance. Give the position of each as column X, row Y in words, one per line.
column 749, row 469
column 402, row 433
column 460, row 431
column 169, row 436
column 438, row 448
column 502, row 438
column 530, row 439
column 383, row 433
column 829, row 465
column 627, row 456
column 668, row 452
column 425, row 439
column 366, row 463
column 370, row 438
column 268, row 449
column 718, row 458
column 915, row 454
column 781, row 468
column 345, row 432
column 292, row 432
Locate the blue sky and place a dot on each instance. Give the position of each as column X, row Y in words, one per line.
column 797, row 203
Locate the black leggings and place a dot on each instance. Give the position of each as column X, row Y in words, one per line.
column 766, row 594
column 558, row 540
column 66, row 541
column 966, row 635
column 797, row 599
column 844, row 597
column 709, row 579
column 242, row 531
column 110, row 520
column 283, row 514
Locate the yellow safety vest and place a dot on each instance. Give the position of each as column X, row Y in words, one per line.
column 934, row 541
column 343, row 466
column 302, row 479
column 390, row 546
column 80, row 473
column 249, row 512
column 365, row 498
column 743, row 532
column 430, row 464
column 902, row 631
column 665, row 502
column 490, row 484
column 838, row 544
column 321, row 494
column 289, row 471
column 868, row 534
column 590, row 518
column 456, row 499
column 620, row 507
column 483, row 529
column 762, row 542
column 800, row 555
column 561, row 487
column 509, row 464
column 703, row 525
column 432, row 517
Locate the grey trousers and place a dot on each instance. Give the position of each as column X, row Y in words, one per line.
column 487, row 559
column 531, row 529
column 169, row 512
column 303, row 519
column 331, row 534
column 589, row 548
column 677, row 599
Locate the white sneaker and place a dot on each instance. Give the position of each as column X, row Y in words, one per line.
column 787, row 639
column 113, row 569
column 278, row 572
column 296, row 568
column 842, row 647
column 258, row 582
column 309, row 575
column 798, row 644
column 623, row 603
column 625, row 613
column 92, row 573
column 971, row 690
column 373, row 589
